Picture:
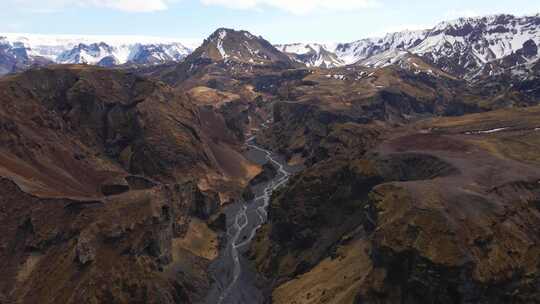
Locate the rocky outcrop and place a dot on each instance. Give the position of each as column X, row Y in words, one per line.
column 204, row 204
column 115, row 185
column 85, row 251
column 101, row 175
column 444, row 217
column 117, row 249
column 313, row 221
column 313, row 134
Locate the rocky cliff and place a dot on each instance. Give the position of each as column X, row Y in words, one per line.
column 444, row 211
column 102, row 176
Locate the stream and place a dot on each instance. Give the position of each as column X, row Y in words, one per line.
column 234, row 277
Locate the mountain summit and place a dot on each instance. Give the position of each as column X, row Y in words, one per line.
column 227, row 52
column 313, row 54
column 240, row 46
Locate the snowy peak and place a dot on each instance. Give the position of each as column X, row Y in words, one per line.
column 240, row 46
column 463, row 47
column 349, row 53
column 365, row 48
column 102, row 50
column 86, row 53
column 158, row 53
column 492, row 37
column 300, row 48
column 15, row 57
column 312, row 54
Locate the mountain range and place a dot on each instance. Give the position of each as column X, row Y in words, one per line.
column 466, row 47
column 401, row 169
column 22, row 50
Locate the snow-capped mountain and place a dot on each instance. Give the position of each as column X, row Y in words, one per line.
column 350, row 53
column 104, row 54
column 15, row 57
column 355, row 51
column 312, row 54
column 231, row 54
column 464, row 47
column 467, row 45
column 100, row 50
column 239, row 46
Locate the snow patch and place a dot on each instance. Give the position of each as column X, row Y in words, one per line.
column 487, row 131
column 219, row 44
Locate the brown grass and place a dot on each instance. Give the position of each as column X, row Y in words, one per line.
column 199, row 240
column 331, row 281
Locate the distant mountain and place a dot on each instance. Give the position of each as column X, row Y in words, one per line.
column 105, row 51
column 14, row 57
column 313, row 54
column 228, row 53
column 465, row 47
column 239, row 46
column 470, row 48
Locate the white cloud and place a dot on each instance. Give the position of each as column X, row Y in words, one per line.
column 299, row 7
column 40, row 6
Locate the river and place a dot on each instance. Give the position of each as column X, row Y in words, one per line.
column 234, row 278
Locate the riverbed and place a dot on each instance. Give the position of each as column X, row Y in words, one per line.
column 235, row 280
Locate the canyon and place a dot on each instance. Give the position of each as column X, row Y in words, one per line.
column 245, row 173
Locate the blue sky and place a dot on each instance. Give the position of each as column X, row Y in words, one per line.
column 279, row 21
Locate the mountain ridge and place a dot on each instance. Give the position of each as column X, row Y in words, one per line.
column 462, row 46
column 469, row 48
column 93, row 49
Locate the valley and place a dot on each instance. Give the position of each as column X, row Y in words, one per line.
column 235, row 282
column 404, row 169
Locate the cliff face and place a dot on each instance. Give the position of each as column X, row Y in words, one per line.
column 116, row 249
column 101, row 174
column 443, row 211
column 306, row 132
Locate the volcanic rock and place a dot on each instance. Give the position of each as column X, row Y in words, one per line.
column 442, row 211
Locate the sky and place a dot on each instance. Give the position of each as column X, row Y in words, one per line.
column 279, row 21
